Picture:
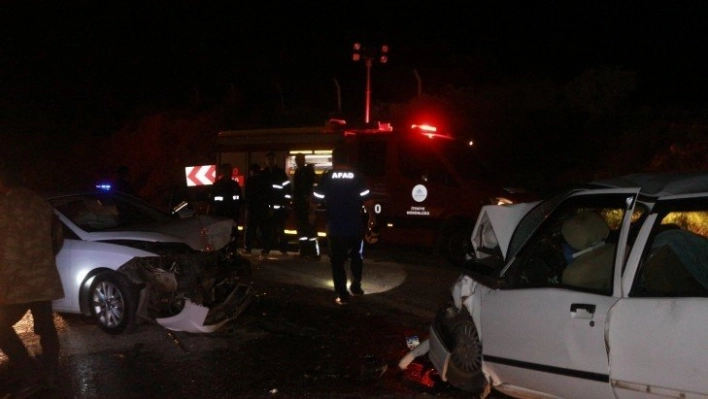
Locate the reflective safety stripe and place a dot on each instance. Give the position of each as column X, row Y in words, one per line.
column 277, row 186
column 236, row 197
column 318, row 195
column 304, row 238
column 288, row 196
column 276, row 206
column 218, row 198
column 285, row 183
column 363, row 193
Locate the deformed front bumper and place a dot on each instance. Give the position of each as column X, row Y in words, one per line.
column 438, row 353
column 196, row 318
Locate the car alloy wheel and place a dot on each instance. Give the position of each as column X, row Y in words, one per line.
column 112, row 303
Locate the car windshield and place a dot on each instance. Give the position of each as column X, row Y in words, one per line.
column 102, row 211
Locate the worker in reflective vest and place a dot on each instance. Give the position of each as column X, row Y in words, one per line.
column 303, row 183
column 226, row 194
column 343, row 191
column 279, row 202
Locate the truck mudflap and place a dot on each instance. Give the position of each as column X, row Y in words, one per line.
column 200, row 319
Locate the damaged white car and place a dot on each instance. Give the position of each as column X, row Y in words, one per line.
column 600, row 292
column 123, row 261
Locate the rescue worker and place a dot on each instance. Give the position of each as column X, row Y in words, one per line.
column 30, row 237
column 226, row 194
column 303, row 183
column 257, row 193
column 279, row 201
column 343, row 191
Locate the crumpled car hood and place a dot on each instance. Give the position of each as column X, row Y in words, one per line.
column 495, row 227
column 201, row 233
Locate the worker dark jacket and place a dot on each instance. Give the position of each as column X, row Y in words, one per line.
column 343, row 191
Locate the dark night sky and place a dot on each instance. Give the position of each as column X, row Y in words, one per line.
column 63, row 63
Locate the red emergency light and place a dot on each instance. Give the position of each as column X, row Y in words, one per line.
column 430, row 132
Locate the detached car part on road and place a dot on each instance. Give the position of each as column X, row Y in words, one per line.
column 124, row 261
column 599, row 292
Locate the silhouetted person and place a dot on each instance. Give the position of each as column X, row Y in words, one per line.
column 122, row 181
column 226, row 194
column 256, row 192
column 303, row 183
column 278, row 202
column 29, row 280
column 343, row 191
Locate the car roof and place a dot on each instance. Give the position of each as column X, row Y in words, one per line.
column 660, row 184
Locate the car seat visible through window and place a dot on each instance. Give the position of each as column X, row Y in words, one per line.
column 592, row 257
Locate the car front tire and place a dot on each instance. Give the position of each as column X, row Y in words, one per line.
column 113, row 303
column 464, row 370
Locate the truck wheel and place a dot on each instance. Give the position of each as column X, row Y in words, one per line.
column 113, row 303
column 465, row 367
column 454, row 241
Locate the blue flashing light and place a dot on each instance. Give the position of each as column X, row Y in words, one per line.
column 104, row 186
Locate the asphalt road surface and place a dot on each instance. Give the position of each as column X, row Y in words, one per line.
column 292, row 341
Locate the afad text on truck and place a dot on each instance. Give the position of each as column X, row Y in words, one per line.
column 428, row 186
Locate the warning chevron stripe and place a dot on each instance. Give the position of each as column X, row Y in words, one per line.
column 200, row 175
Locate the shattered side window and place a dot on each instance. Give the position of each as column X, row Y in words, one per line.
column 675, row 261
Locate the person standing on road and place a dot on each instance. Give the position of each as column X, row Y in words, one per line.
column 257, row 193
column 279, row 201
column 226, row 194
column 30, row 238
column 343, row 191
column 303, row 183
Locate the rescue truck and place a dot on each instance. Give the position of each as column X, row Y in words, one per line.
column 427, row 186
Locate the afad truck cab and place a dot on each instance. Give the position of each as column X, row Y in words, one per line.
column 427, row 185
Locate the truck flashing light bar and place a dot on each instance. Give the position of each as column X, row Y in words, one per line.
column 429, row 131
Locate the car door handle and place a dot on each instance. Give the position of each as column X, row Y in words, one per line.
column 582, row 310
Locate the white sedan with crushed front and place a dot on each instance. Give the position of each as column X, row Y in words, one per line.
column 124, row 261
column 600, row 292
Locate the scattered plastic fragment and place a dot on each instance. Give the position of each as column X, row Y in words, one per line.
column 413, row 341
